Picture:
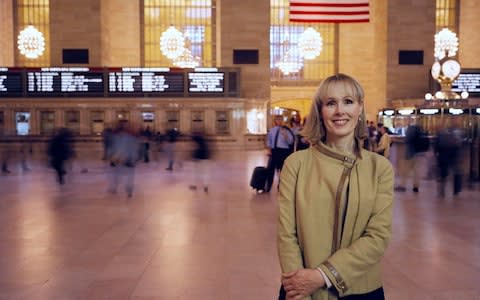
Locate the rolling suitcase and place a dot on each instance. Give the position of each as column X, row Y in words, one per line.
column 259, row 178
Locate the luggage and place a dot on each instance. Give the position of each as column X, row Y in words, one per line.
column 259, row 178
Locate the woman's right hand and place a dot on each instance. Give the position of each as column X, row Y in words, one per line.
column 302, row 283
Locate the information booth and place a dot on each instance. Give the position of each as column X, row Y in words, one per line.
column 430, row 119
column 387, row 118
column 2, row 123
column 457, row 118
column 475, row 134
column 403, row 118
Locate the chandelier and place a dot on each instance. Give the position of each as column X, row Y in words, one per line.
column 172, row 43
column 446, row 44
column 292, row 62
column 186, row 60
column 31, row 42
column 310, row 43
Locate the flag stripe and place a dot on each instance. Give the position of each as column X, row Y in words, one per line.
column 331, row 11
column 335, row 2
column 312, row 17
column 328, row 20
column 328, row 5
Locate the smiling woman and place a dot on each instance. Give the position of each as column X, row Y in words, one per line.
column 337, row 114
column 335, row 203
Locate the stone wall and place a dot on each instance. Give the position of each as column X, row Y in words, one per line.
column 246, row 25
column 120, row 42
column 469, row 35
column 7, row 44
column 411, row 26
column 75, row 25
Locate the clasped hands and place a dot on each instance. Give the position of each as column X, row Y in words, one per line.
column 301, row 283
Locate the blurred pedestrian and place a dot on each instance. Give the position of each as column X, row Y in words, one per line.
column 107, row 143
column 146, row 136
column 60, row 149
column 372, row 136
column 383, row 147
column 280, row 144
column 201, row 154
column 296, row 126
column 171, row 138
column 5, row 155
column 414, row 144
column 125, row 154
column 25, row 151
column 447, row 151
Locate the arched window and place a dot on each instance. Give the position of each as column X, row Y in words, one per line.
column 193, row 18
column 34, row 13
column 284, row 38
column 446, row 15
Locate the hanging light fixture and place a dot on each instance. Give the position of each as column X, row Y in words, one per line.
column 186, row 60
column 291, row 62
column 172, row 43
column 310, row 43
column 31, row 42
column 446, row 44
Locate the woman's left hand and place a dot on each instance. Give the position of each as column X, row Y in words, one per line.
column 302, row 283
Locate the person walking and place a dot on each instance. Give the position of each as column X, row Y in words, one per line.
column 201, row 154
column 60, row 149
column 335, row 203
column 383, row 147
column 171, row 138
column 413, row 136
column 280, row 143
column 125, row 154
column 447, row 150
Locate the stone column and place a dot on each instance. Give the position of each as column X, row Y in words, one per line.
column 468, row 33
column 7, row 40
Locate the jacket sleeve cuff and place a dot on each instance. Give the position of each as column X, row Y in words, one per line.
column 328, row 283
column 334, row 277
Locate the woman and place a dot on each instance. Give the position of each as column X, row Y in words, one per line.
column 335, row 203
column 383, row 147
column 296, row 126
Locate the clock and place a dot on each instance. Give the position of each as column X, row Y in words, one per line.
column 451, row 68
column 436, row 69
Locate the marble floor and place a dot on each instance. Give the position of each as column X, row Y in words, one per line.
column 78, row 241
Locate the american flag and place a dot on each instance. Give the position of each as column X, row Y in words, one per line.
column 329, row 11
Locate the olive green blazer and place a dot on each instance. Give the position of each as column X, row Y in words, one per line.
column 309, row 185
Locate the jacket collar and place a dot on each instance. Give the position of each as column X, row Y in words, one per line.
column 347, row 159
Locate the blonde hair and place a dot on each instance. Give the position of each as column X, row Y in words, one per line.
column 314, row 130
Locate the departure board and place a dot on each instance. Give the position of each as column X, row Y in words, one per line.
column 206, row 82
column 144, row 81
column 10, row 82
column 468, row 81
column 57, row 82
column 119, row 82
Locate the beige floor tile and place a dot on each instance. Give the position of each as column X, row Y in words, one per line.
column 168, row 242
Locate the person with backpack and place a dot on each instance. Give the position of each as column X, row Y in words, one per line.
column 280, row 143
